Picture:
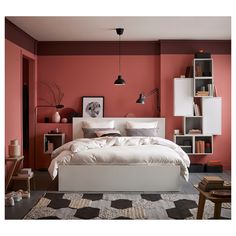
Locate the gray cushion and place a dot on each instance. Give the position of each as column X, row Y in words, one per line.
column 90, row 132
column 149, row 132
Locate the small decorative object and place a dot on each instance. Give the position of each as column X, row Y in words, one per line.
column 54, row 92
column 14, row 148
column 56, row 117
column 93, row 106
column 64, row 120
column 182, row 76
column 69, row 113
column 50, row 147
column 207, row 147
column 176, row 131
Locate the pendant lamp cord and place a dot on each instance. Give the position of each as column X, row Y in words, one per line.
column 119, row 57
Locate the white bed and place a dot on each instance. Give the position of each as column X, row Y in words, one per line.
column 118, row 177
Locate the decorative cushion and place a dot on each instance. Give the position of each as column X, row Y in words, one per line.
column 107, row 133
column 152, row 132
column 98, row 124
column 91, row 132
column 141, row 125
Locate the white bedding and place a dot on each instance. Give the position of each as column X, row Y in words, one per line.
column 120, row 151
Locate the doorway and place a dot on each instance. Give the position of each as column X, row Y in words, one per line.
column 25, row 110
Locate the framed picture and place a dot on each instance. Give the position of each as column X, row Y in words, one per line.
column 93, row 106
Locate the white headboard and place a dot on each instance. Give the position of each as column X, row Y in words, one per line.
column 120, row 124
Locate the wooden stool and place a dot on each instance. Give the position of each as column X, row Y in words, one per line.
column 16, row 164
column 24, row 178
column 217, row 200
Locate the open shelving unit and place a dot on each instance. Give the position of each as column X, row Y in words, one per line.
column 189, row 93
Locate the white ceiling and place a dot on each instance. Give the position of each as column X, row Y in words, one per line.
column 136, row 28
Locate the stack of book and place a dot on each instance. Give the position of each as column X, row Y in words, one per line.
column 209, row 183
column 200, row 146
column 194, row 131
column 25, row 172
column 202, row 93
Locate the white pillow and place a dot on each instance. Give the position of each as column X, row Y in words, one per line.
column 141, row 125
column 98, row 124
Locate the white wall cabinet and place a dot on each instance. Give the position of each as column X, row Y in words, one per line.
column 212, row 115
column 183, row 97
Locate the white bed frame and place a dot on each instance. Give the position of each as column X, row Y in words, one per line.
column 118, row 177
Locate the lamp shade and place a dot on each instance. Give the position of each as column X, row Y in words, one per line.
column 141, row 99
column 119, row 81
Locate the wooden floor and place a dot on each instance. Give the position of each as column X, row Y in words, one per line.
column 43, row 183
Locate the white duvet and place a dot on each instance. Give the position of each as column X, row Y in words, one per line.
column 120, row 151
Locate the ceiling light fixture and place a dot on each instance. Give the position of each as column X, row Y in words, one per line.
column 119, row 80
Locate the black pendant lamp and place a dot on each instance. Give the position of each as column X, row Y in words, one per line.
column 119, row 80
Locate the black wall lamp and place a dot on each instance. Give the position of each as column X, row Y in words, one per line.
column 143, row 96
column 119, row 80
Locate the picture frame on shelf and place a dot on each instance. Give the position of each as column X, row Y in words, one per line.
column 93, row 106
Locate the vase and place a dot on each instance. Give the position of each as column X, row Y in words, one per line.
column 56, row 117
column 14, row 148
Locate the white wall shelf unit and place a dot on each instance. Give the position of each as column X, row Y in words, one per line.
column 192, row 124
column 203, row 77
column 195, row 144
column 52, row 141
column 193, row 99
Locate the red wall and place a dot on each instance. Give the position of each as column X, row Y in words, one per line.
column 13, row 96
column 172, row 66
column 94, row 76
column 13, row 92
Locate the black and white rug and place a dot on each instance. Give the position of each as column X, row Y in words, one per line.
column 120, row 206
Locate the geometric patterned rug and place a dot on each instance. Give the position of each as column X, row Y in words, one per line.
column 121, row 206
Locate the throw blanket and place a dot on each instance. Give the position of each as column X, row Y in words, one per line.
column 120, row 151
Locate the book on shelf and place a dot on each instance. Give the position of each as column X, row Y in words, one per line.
column 194, row 131
column 196, row 110
column 202, row 93
column 200, row 146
